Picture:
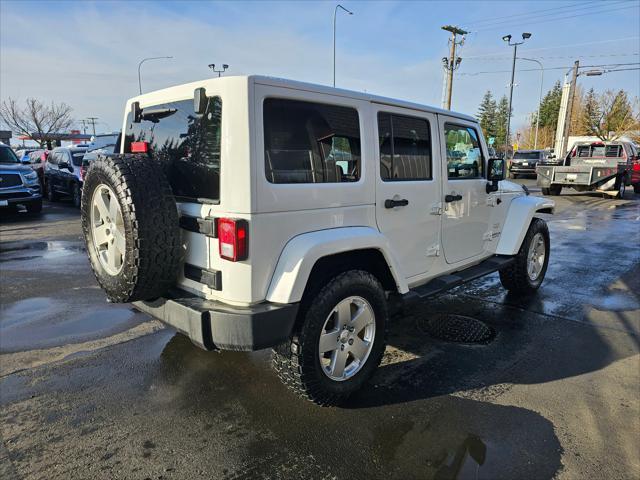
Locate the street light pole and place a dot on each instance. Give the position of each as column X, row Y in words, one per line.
column 335, row 12
column 140, row 65
column 507, row 38
column 535, row 142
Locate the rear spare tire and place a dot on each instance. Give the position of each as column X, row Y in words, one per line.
column 131, row 229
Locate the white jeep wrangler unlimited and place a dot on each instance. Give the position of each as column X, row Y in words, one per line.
column 251, row 212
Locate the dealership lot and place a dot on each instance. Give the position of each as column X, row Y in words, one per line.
column 91, row 389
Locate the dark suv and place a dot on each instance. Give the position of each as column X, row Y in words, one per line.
column 18, row 183
column 524, row 162
column 63, row 173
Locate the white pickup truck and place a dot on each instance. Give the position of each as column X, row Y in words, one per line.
column 252, row 212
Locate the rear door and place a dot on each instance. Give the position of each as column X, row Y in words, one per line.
column 467, row 212
column 408, row 186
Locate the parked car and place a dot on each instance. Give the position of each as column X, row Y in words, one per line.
column 63, row 173
column 227, row 215
column 23, row 154
column 524, row 162
column 18, row 182
column 607, row 167
column 37, row 158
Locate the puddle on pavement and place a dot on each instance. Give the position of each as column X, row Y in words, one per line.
column 616, row 301
column 42, row 322
column 45, row 250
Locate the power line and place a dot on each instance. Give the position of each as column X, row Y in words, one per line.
column 606, row 55
column 563, row 18
column 529, row 50
column 549, row 68
column 491, row 20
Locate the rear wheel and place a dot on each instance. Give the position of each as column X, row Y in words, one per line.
column 76, row 195
column 552, row 190
column 340, row 342
column 526, row 274
column 621, row 187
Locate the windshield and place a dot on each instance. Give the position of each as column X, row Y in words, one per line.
column 7, row 156
column 527, row 155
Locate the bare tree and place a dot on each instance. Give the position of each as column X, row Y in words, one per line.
column 611, row 115
column 36, row 118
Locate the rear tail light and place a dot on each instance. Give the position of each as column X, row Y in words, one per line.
column 139, row 147
column 233, row 241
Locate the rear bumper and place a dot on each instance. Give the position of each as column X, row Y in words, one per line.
column 214, row 325
column 583, row 176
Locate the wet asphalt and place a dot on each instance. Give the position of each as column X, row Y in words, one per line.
column 94, row 390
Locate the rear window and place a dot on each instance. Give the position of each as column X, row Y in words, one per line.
column 77, row 158
column 309, row 142
column 185, row 145
column 527, row 155
column 610, row 151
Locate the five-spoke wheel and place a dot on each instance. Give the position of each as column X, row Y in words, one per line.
column 108, row 229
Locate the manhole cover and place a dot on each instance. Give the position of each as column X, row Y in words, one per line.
column 456, row 328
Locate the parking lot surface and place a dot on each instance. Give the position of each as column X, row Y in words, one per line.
column 96, row 390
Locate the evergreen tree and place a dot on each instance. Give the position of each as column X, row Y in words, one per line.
column 487, row 115
column 502, row 117
column 618, row 116
column 591, row 113
column 550, row 106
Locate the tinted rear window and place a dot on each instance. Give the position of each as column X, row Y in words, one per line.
column 527, row 155
column 185, row 145
column 77, row 158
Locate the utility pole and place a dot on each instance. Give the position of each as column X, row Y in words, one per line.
column 507, row 38
column 452, row 63
column 84, row 126
column 567, row 117
column 92, row 121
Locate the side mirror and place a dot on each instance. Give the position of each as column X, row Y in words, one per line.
column 495, row 173
column 200, row 100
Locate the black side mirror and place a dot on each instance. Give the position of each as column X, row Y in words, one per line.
column 136, row 112
column 63, row 165
column 200, row 100
column 495, row 173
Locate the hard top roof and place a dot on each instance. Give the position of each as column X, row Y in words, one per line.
column 294, row 84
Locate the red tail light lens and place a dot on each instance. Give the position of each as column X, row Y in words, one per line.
column 233, row 242
column 139, row 147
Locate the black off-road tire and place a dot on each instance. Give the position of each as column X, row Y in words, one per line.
column 297, row 363
column 52, row 195
column 34, row 207
column 553, row 190
column 621, row 186
column 515, row 277
column 152, row 235
column 76, row 195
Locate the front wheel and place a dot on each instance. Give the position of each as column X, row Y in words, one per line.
column 340, row 342
column 526, row 273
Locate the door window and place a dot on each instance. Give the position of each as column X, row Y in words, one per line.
column 309, row 142
column 405, row 147
column 464, row 154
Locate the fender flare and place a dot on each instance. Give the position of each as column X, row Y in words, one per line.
column 521, row 212
column 301, row 253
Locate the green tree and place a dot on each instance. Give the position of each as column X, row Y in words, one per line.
column 502, row 117
column 487, row 115
column 591, row 113
column 550, row 107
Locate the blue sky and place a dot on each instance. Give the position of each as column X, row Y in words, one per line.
column 86, row 53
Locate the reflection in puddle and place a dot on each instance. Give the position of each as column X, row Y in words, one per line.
column 464, row 462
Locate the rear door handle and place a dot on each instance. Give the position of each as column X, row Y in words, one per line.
column 452, row 198
column 390, row 203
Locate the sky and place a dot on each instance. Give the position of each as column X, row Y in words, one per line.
column 86, row 53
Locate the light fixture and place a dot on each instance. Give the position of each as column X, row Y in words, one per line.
column 507, row 38
column 526, row 35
